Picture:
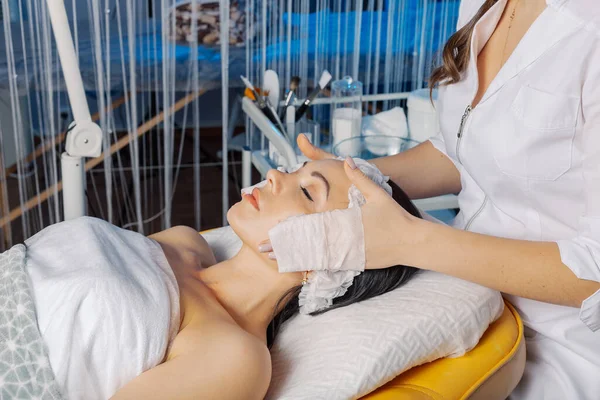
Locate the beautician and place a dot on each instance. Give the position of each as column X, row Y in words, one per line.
column 519, row 141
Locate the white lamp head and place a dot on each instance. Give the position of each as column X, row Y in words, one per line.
column 84, row 140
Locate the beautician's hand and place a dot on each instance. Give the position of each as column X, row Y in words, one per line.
column 385, row 224
column 311, row 151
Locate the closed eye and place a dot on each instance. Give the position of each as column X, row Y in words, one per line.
column 306, row 194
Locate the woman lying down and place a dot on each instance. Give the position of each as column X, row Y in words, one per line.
column 130, row 317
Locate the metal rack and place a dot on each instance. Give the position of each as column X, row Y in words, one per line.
column 261, row 161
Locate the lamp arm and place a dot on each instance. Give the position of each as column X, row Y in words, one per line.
column 85, row 137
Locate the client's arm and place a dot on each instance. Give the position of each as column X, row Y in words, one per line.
column 223, row 366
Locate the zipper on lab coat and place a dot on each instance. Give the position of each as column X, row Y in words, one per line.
column 468, row 225
column 459, row 135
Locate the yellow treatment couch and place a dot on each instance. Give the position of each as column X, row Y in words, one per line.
column 488, row 372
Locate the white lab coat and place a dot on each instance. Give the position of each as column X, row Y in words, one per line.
column 529, row 160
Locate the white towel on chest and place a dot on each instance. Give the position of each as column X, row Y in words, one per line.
column 107, row 304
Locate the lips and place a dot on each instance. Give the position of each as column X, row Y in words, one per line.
column 253, row 198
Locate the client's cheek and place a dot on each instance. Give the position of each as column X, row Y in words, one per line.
column 290, row 209
column 250, row 227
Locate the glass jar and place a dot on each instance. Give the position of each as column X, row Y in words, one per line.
column 346, row 109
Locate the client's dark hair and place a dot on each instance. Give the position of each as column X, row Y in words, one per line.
column 370, row 283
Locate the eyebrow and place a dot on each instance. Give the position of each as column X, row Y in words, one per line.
column 320, row 176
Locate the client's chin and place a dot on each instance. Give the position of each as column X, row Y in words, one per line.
column 246, row 225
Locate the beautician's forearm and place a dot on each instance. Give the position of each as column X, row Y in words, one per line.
column 523, row 268
column 421, row 172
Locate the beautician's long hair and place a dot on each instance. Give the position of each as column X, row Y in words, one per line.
column 370, row 283
column 457, row 51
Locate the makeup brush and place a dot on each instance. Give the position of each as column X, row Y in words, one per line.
column 271, row 85
column 290, row 95
column 250, row 86
column 294, row 84
column 323, row 82
column 250, row 94
column 271, row 90
column 264, row 106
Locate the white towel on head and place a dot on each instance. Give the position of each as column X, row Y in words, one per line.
column 107, row 304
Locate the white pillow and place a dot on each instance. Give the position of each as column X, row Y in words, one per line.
column 349, row 352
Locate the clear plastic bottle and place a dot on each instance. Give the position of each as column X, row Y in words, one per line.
column 346, row 109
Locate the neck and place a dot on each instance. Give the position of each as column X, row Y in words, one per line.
column 249, row 287
column 530, row 5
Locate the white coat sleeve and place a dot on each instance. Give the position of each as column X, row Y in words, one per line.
column 582, row 253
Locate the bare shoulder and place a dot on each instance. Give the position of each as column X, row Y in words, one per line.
column 188, row 243
column 229, row 352
column 222, row 334
column 180, row 233
column 251, row 353
column 217, row 362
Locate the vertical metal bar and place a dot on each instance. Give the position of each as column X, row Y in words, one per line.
column 224, row 9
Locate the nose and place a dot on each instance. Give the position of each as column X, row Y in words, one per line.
column 275, row 179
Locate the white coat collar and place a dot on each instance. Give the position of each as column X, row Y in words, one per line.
column 587, row 11
column 549, row 28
